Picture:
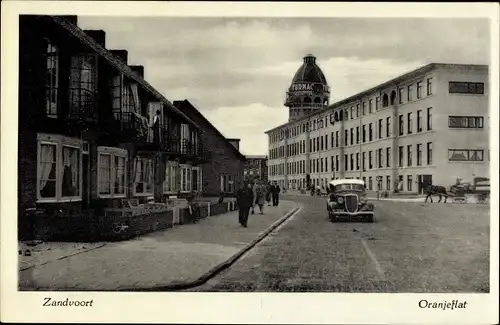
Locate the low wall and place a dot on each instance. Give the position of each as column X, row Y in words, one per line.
column 89, row 226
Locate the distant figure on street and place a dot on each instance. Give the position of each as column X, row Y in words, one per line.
column 193, row 208
column 268, row 193
column 221, row 197
column 259, row 197
column 275, row 190
column 244, row 199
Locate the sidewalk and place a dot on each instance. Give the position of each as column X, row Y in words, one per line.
column 174, row 256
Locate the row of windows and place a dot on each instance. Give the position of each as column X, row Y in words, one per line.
column 361, row 109
column 466, row 122
column 409, row 122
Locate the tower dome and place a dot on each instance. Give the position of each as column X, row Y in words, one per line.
column 309, row 72
column 309, row 90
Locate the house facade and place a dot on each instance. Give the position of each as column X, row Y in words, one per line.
column 223, row 166
column 429, row 126
column 92, row 131
column 256, row 168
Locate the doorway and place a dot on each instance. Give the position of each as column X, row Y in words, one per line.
column 424, row 181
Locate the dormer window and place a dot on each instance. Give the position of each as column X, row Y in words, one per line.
column 83, row 85
column 52, row 81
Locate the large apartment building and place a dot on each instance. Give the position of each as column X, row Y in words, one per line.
column 428, row 126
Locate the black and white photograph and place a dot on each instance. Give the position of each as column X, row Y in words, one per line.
column 238, row 160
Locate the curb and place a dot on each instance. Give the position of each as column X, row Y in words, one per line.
column 218, row 268
column 62, row 257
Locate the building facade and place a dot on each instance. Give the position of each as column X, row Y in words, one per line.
column 256, row 168
column 92, row 131
column 224, row 164
column 429, row 126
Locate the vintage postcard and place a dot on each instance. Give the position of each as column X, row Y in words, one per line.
column 249, row 162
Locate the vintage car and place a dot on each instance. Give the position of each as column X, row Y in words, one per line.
column 347, row 200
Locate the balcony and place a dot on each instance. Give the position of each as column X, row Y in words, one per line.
column 82, row 104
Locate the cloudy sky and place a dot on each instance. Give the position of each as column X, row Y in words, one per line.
column 236, row 70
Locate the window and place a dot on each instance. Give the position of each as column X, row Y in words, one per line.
column 143, row 176
column 333, row 140
column 429, row 118
column 388, row 156
column 409, row 94
column 352, row 136
column 171, row 182
column 409, row 183
column 52, row 81
column 370, row 160
column 337, row 139
column 59, row 168
column 429, row 153
column 467, row 122
column 465, row 155
column 337, row 163
column 377, row 104
column 363, row 162
column 332, row 164
column 370, row 183
column 321, row 165
column 322, row 143
column 388, row 183
column 410, row 124
column 357, row 110
column 379, row 151
column 352, row 161
column 401, row 94
column 346, row 163
column 409, row 154
column 401, row 125
column 419, row 154
column 116, row 87
column 370, row 132
column 370, row 106
column 388, row 127
column 429, row 86
column 401, row 156
column 419, row 90
column 419, row 120
column 380, row 135
column 82, row 85
column 227, row 183
column 357, row 134
column 357, row 160
column 346, row 137
column 112, row 175
column 364, row 133
column 455, row 87
column 326, row 142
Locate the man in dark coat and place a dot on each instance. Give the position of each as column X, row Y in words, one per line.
column 275, row 192
column 244, row 199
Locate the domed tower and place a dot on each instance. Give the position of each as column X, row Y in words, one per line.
column 309, row 90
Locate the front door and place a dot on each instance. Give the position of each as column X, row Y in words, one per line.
column 424, row 181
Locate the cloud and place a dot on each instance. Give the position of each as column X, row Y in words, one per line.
column 225, row 64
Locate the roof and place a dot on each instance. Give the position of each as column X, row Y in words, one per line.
column 117, row 63
column 336, row 182
column 256, row 156
column 412, row 74
column 309, row 72
column 186, row 105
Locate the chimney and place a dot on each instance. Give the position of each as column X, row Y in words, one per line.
column 138, row 69
column 72, row 19
column 235, row 143
column 99, row 36
column 121, row 54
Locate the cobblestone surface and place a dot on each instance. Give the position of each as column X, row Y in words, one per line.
column 179, row 254
column 412, row 247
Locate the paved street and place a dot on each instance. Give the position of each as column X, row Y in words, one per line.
column 173, row 256
column 412, row 247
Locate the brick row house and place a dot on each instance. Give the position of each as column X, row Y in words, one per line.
column 92, row 131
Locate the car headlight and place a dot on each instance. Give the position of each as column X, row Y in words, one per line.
column 340, row 200
column 362, row 201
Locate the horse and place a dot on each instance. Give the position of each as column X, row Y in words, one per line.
column 436, row 190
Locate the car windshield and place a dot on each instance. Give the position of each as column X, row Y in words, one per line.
column 349, row 187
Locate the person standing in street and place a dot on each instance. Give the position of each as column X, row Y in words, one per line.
column 275, row 194
column 268, row 193
column 244, row 199
column 259, row 196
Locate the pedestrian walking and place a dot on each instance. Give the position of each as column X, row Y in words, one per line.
column 275, row 194
column 268, row 193
column 244, row 199
column 259, row 196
